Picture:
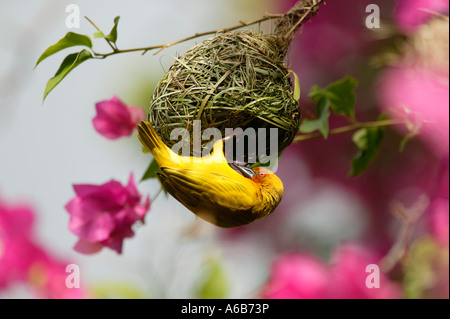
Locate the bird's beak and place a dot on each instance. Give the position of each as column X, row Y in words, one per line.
column 246, row 171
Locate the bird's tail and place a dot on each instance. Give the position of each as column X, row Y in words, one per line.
column 148, row 137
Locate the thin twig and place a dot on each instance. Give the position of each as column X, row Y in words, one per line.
column 304, row 137
column 166, row 45
column 91, row 22
column 408, row 218
column 434, row 13
column 300, row 21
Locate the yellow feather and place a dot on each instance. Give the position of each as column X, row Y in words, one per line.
column 209, row 187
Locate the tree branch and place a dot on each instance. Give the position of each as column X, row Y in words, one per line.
column 161, row 47
column 304, row 137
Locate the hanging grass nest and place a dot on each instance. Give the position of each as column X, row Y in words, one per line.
column 233, row 80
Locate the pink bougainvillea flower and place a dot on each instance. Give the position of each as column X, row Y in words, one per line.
column 409, row 14
column 350, row 273
column 102, row 215
column 418, row 85
column 23, row 260
column 17, row 251
column 115, row 119
column 418, row 94
column 17, row 256
column 300, row 276
column 48, row 277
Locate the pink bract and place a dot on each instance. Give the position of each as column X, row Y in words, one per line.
column 23, row 260
column 297, row 276
column 115, row 119
column 301, row 276
column 102, row 215
column 410, row 14
column 422, row 96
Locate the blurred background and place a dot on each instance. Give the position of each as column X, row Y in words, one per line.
column 328, row 227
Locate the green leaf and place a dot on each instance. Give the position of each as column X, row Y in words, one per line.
column 112, row 36
column 340, row 94
column 296, row 86
column 368, row 141
column 316, row 93
column 151, row 171
column 215, row 284
column 99, row 34
column 69, row 63
column 320, row 124
column 70, row 39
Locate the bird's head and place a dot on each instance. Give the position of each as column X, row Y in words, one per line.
column 263, row 177
column 267, row 179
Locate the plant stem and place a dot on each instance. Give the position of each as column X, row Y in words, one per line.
column 348, row 128
column 166, row 45
column 408, row 217
column 91, row 22
column 267, row 16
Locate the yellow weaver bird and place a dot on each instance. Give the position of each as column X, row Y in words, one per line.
column 210, row 188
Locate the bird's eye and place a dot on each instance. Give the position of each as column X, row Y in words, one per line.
column 262, row 174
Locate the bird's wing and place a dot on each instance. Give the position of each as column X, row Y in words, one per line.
column 194, row 188
column 172, row 189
